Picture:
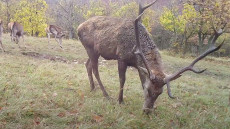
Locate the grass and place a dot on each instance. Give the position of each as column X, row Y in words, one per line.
column 40, row 93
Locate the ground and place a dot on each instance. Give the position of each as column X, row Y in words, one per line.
column 44, row 86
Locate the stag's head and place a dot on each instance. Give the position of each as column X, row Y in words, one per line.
column 155, row 79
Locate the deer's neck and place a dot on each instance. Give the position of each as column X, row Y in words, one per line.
column 150, row 52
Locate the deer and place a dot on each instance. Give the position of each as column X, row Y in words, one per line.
column 10, row 25
column 128, row 42
column 1, row 33
column 57, row 32
column 16, row 31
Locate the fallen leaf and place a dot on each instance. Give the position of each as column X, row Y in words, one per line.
column 73, row 112
column 81, row 94
column 175, row 105
column 55, row 94
column 62, row 114
column 98, row 118
column 77, row 127
column 37, row 120
column 70, row 83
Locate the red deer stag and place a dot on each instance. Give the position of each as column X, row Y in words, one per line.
column 57, row 32
column 16, row 31
column 1, row 32
column 129, row 43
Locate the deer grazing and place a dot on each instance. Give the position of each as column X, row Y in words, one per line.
column 1, row 32
column 128, row 42
column 57, row 32
column 16, row 31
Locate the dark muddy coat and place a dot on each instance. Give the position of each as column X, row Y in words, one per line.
column 114, row 39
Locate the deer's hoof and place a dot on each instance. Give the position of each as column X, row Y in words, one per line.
column 147, row 111
column 121, row 101
column 92, row 89
column 108, row 98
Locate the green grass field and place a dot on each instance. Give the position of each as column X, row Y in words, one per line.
column 44, row 86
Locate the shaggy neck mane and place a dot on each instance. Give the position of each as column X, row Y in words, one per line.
column 151, row 52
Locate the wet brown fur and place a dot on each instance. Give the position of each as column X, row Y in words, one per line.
column 114, row 39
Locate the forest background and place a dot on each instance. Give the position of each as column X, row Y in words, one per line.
column 180, row 26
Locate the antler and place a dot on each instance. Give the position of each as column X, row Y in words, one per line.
column 137, row 48
column 142, row 9
column 176, row 75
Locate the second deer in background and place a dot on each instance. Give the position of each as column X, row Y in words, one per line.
column 16, row 31
column 57, row 32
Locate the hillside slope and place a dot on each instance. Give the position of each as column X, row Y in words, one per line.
column 44, row 86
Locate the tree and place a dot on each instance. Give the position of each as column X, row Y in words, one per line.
column 180, row 24
column 204, row 19
column 7, row 10
column 31, row 14
column 130, row 10
column 68, row 15
column 95, row 8
column 214, row 17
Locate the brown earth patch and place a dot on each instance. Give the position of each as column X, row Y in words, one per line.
column 47, row 56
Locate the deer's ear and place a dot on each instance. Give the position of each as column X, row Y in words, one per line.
column 143, row 70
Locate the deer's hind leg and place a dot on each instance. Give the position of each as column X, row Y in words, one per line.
column 90, row 71
column 94, row 62
column 122, row 67
column 2, row 46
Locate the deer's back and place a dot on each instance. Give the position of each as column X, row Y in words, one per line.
column 54, row 29
column 112, row 38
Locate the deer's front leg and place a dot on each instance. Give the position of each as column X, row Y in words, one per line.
column 48, row 35
column 60, row 42
column 2, row 46
column 122, row 67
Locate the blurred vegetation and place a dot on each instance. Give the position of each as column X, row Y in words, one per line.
column 183, row 27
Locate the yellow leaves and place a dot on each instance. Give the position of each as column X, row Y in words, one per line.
column 32, row 15
column 168, row 19
column 171, row 21
column 126, row 10
column 189, row 12
column 95, row 9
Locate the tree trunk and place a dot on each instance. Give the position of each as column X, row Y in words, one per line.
column 186, row 46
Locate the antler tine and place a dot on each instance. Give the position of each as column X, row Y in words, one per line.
column 169, row 90
column 211, row 50
column 142, row 9
column 138, row 50
column 176, row 75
